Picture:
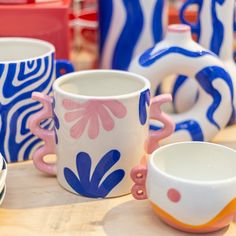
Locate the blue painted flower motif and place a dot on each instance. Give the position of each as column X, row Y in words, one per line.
column 56, row 121
column 92, row 186
column 144, row 100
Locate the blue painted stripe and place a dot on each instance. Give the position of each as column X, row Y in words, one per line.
column 191, row 126
column 105, row 18
column 129, row 37
column 147, row 58
column 157, row 28
column 217, row 27
column 205, row 79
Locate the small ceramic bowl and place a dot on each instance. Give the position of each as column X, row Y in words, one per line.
column 191, row 185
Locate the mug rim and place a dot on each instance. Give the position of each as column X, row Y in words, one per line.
column 185, row 180
column 66, row 77
column 51, row 48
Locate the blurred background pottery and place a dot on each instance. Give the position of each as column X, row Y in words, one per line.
column 129, row 27
column 179, row 54
column 214, row 31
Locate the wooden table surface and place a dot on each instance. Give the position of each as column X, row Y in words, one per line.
column 35, row 205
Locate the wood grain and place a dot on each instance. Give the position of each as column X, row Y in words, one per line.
column 36, row 205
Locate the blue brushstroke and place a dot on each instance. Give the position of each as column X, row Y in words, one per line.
column 191, row 126
column 148, row 58
column 195, row 28
column 157, row 28
column 158, row 90
column 129, row 37
column 105, row 18
column 56, row 121
column 93, row 186
column 205, row 78
column 217, row 27
column 144, row 101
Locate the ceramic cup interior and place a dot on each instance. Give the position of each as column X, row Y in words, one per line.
column 196, row 161
column 101, row 83
column 20, row 49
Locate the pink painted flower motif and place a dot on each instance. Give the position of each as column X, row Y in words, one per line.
column 90, row 114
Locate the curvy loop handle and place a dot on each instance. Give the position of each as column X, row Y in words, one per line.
column 139, row 175
column 157, row 114
column 194, row 27
column 63, row 67
column 47, row 136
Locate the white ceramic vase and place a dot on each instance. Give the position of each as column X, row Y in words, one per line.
column 127, row 28
column 215, row 32
column 179, row 54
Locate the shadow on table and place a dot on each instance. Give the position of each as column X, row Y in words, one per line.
column 28, row 188
column 137, row 218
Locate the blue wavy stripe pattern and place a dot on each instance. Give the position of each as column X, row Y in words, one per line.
column 147, row 58
column 217, row 27
column 18, row 86
column 191, row 126
column 205, row 78
column 157, row 28
column 129, row 37
column 105, row 17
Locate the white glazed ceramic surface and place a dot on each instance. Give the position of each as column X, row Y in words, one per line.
column 124, row 140
column 179, row 54
column 216, row 34
column 190, row 184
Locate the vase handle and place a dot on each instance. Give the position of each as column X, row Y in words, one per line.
column 46, row 135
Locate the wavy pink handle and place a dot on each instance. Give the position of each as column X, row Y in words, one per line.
column 47, row 136
column 139, row 176
column 157, row 114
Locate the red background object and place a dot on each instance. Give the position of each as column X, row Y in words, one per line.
column 46, row 21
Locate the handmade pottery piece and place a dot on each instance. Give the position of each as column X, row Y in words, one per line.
column 198, row 195
column 101, row 129
column 26, row 65
column 129, row 27
column 179, row 54
column 215, row 32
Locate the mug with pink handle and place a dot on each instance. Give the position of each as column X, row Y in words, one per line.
column 100, row 132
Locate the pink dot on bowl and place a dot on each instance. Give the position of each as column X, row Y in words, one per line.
column 174, row 195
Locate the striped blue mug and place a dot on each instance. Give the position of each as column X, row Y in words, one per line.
column 26, row 66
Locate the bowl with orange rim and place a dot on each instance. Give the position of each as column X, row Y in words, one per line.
column 190, row 185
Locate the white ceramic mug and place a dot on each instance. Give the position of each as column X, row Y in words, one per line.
column 191, row 185
column 101, row 126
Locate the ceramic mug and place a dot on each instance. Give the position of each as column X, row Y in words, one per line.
column 26, row 65
column 101, row 127
column 191, row 185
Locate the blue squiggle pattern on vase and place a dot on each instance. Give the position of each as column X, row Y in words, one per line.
column 105, row 11
column 129, row 36
column 148, row 58
column 205, row 78
column 89, row 185
column 16, row 106
column 191, row 126
column 144, row 101
column 157, row 28
column 217, row 27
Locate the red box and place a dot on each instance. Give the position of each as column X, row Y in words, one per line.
column 46, row 21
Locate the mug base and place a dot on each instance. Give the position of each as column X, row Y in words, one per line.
column 210, row 227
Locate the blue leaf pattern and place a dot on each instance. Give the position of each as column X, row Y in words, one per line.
column 144, row 100
column 92, row 187
column 56, row 121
